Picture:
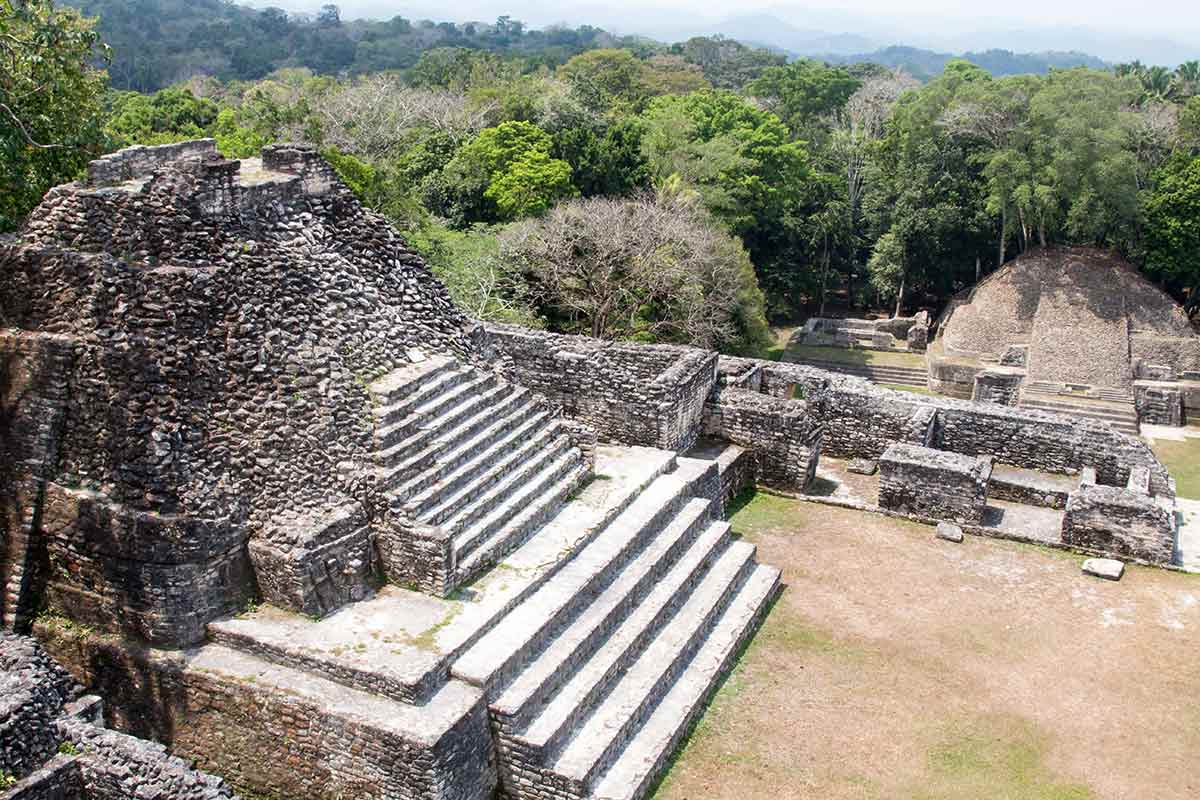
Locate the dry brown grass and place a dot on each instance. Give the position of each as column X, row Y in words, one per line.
column 899, row 666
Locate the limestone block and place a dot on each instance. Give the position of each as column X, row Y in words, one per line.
column 1107, row 568
column 949, row 531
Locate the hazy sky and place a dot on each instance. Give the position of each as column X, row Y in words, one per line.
column 1169, row 17
column 1166, row 32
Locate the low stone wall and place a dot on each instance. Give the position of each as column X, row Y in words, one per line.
column 107, row 760
column 782, row 435
column 139, row 161
column 59, row 779
column 315, row 563
column 933, row 483
column 33, row 691
column 631, row 394
column 157, row 577
column 1027, row 490
column 1121, row 521
column 283, row 744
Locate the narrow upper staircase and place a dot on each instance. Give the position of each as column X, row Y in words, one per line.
column 1111, row 406
column 459, row 448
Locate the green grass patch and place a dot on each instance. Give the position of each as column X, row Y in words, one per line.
column 1182, row 460
column 843, row 355
column 992, row 757
column 913, row 389
column 755, row 511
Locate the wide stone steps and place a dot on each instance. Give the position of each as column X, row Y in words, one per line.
column 498, row 488
column 648, row 752
column 511, row 439
column 1120, row 416
column 406, row 427
column 432, row 448
column 904, row 376
column 462, row 450
column 513, row 521
column 657, row 571
column 542, row 721
column 504, row 649
column 656, row 604
column 596, row 744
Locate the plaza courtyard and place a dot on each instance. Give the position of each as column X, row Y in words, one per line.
column 896, row 665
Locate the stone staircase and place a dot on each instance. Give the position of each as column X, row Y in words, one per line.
column 1112, row 406
column 485, row 460
column 876, row 373
column 593, row 670
column 594, row 680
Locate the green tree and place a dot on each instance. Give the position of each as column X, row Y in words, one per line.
column 482, row 182
column 607, row 81
column 529, row 185
column 804, row 92
column 50, row 101
column 1172, row 238
column 741, row 161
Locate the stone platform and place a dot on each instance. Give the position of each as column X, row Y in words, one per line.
column 591, row 648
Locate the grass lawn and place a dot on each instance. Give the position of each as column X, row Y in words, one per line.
column 1182, row 459
column 896, row 665
column 905, row 388
column 843, row 355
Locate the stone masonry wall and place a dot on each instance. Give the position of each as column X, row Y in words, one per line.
column 1120, row 521
column 861, row 420
column 781, row 434
column 934, row 483
column 284, row 744
column 218, row 323
column 633, row 394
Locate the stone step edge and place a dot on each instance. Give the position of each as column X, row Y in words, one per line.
column 481, row 674
column 500, row 502
column 524, row 526
column 534, row 435
column 634, row 772
column 590, row 752
column 691, row 569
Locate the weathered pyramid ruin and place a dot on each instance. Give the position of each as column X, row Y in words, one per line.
column 1071, row 329
column 266, row 491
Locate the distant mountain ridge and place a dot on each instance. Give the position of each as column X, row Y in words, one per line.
column 925, row 64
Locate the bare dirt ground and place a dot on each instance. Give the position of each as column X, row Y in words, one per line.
column 896, row 665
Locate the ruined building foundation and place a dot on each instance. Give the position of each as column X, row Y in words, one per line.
column 273, row 497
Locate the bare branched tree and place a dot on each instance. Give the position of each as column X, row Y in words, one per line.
column 371, row 116
column 621, row 268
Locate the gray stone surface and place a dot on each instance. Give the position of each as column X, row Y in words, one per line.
column 949, row 531
column 863, row 466
column 933, row 483
column 1107, row 568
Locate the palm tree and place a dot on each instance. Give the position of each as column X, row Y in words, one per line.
column 1187, row 75
column 1158, row 83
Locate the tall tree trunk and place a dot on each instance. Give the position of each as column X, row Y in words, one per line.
column 1024, row 229
column 900, row 295
column 1003, row 234
column 1042, row 230
column 977, row 264
column 824, row 274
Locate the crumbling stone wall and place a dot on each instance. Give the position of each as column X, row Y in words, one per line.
column 286, row 743
column 33, row 691
column 218, row 322
column 933, row 483
column 51, row 742
column 1121, row 521
column 633, row 394
column 784, row 438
